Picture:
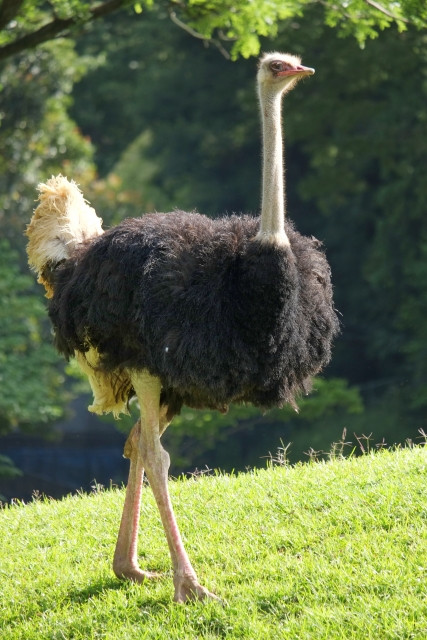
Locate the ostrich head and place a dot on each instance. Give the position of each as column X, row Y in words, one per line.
column 279, row 72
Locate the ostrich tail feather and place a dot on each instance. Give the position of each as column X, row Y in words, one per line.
column 61, row 222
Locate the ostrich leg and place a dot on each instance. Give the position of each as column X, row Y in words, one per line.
column 125, row 562
column 156, row 462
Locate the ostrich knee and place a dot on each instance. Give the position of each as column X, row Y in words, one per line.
column 155, row 461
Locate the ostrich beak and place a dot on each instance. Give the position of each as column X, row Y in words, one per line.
column 298, row 71
column 305, row 70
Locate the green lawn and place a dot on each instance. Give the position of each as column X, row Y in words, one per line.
column 321, row 550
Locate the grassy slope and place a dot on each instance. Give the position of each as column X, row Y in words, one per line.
column 322, row 551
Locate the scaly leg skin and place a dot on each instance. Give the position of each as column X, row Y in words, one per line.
column 156, row 462
column 125, row 563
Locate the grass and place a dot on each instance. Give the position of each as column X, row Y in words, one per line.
column 321, row 550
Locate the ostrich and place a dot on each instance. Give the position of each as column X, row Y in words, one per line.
column 180, row 309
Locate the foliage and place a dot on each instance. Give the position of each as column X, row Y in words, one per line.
column 237, row 25
column 37, row 136
column 30, row 378
column 327, row 551
column 7, row 470
column 26, row 24
column 364, row 156
column 245, row 22
column 385, row 420
column 37, row 139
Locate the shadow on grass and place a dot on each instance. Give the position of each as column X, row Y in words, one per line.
column 147, row 602
column 46, row 603
column 101, row 586
column 93, row 590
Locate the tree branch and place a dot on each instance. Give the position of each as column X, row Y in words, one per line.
column 386, row 12
column 198, row 35
column 56, row 27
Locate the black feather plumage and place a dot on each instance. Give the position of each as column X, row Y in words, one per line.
column 218, row 316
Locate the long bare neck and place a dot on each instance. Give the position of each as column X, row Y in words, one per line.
column 272, row 227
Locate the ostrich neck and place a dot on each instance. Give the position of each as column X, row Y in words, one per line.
column 272, row 227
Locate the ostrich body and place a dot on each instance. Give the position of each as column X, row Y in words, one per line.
column 181, row 309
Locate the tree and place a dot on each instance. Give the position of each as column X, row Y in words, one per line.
column 37, row 138
column 234, row 27
column 30, row 377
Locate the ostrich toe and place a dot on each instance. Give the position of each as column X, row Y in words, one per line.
column 187, row 589
column 135, row 574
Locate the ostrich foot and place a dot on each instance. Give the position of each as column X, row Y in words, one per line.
column 187, row 588
column 135, row 574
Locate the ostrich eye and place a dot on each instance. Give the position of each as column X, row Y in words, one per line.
column 277, row 66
